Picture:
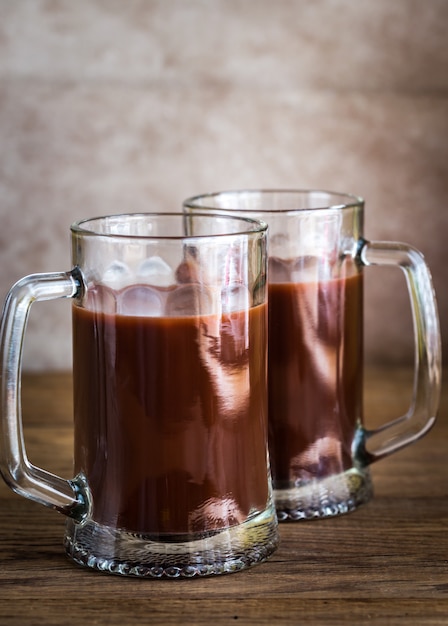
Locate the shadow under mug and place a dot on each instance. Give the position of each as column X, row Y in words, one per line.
column 320, row 450
column 170, row 395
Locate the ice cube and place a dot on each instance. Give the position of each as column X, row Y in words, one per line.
column 189, row 300
column 140, row 300
column 117, row 275
column 235, row 298
column 155, row 271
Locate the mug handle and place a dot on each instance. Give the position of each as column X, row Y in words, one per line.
column 70, row 497
column 420, row 417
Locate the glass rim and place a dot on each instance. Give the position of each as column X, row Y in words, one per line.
column 79, row 226
column 347, row 200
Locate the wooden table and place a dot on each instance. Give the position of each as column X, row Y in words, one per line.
column 386, row 563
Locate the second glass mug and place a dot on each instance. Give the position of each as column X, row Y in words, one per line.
column 320, row 450
column 170, row 395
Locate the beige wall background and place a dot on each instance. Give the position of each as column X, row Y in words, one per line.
column 109, row 106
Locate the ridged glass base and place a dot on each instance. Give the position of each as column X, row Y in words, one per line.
column 335, row 495
column 120, row 552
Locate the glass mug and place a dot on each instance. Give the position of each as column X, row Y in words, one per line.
column 320, row 450
column 170, row 395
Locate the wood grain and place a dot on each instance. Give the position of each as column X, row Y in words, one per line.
column 387, row 563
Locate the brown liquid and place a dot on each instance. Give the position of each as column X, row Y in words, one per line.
column 171, row 419
column 315, row 373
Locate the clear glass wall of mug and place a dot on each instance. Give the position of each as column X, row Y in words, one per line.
column 320, row 449
column 170, row 395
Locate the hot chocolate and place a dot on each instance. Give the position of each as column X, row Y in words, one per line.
column 315, row 373
column 171, row 418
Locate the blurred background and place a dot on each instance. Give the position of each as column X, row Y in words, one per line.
column 109, row 106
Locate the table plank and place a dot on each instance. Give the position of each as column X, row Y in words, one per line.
column 239, row 610
column 385, row 563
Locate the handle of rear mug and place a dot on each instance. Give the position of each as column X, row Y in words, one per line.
column 421, row 415
column 70, row 497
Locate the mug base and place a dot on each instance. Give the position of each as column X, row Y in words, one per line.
column 118, row 551
column 327, row 497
